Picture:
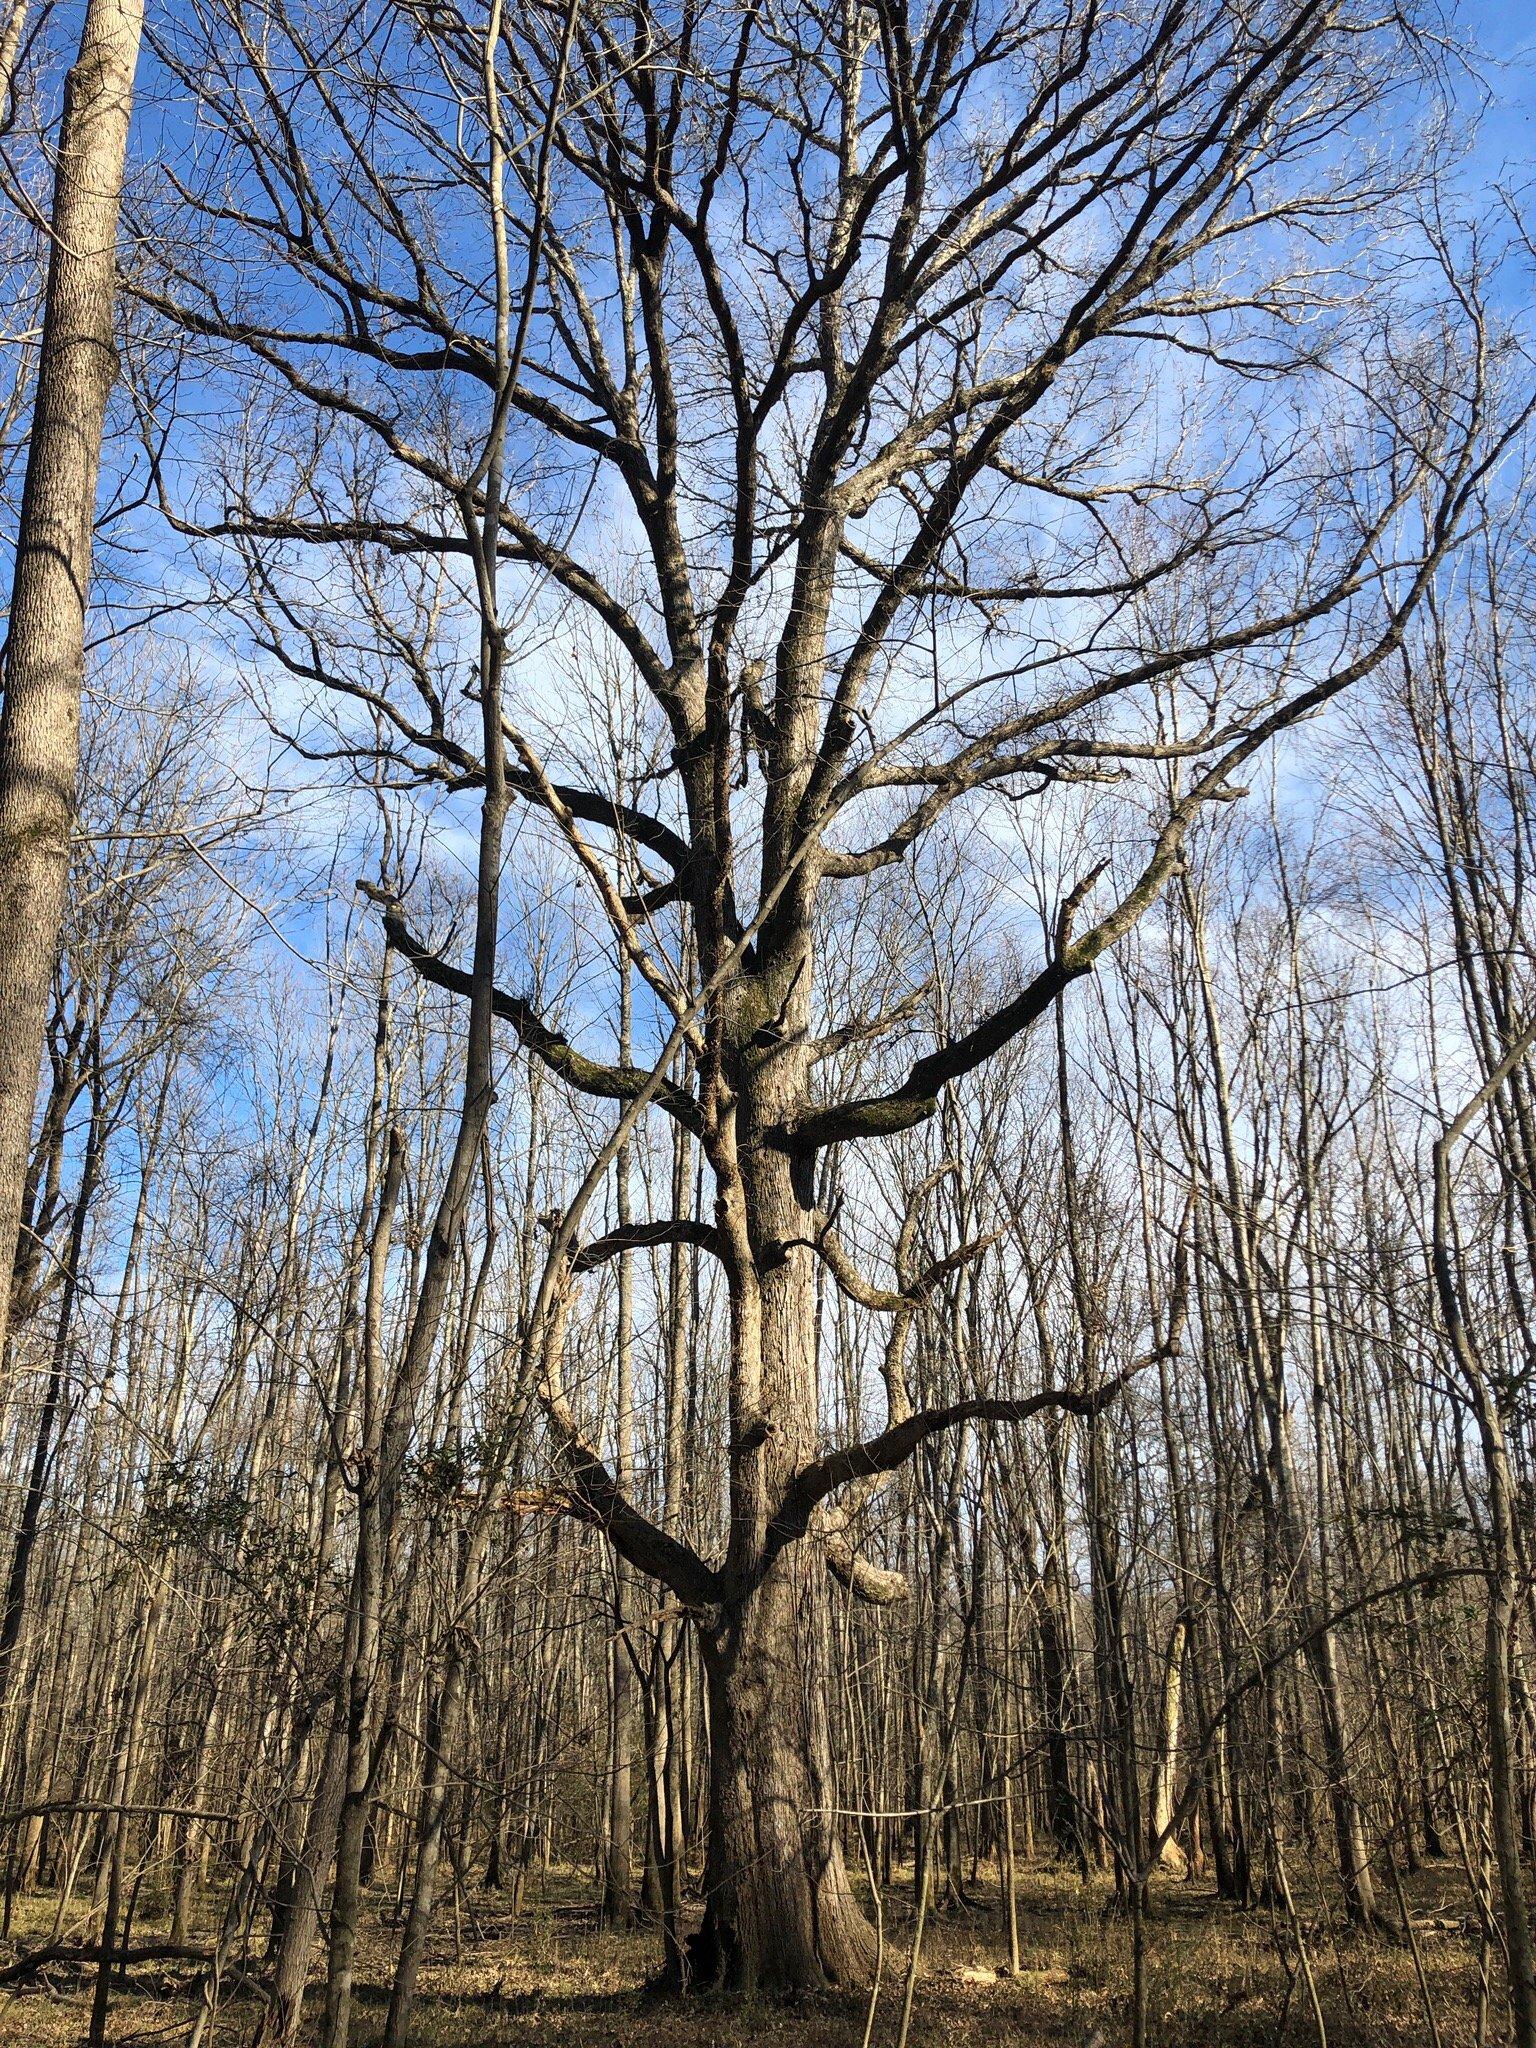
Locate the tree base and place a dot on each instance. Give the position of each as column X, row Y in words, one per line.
column 839, row 1956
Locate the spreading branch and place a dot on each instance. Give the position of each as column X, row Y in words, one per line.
column 894, row 1446
column 591, row 1077
column 640, row 1236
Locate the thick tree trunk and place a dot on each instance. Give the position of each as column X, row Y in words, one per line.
column 45, row 656
column 780, row 1915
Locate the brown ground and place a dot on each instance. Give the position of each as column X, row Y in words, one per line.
column 554, row 1979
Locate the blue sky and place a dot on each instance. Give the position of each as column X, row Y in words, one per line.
column 1506, row 29
column 1506, row 152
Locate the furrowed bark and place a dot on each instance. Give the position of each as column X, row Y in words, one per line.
column 45, row 651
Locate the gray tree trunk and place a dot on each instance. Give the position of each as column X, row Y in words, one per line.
column 45, row 653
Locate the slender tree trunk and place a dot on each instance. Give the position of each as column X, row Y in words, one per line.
column 367, row 1606
column 443, row 1736
column 1262, row 1350
column 1171, row 1856
column 117, row 1821
column 667, row 1861
column 304, row 1882
column 618, row 1864
column 37, row 1478
column 1504, row 1580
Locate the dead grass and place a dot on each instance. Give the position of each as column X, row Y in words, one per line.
column 552, row 1978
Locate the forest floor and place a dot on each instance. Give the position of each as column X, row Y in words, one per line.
column 553, row 1978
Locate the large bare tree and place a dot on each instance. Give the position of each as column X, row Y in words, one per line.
column 930, row 409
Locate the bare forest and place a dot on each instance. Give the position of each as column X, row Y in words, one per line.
column 767, row 1024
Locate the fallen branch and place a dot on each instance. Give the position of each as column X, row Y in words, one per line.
column 57, row 1953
